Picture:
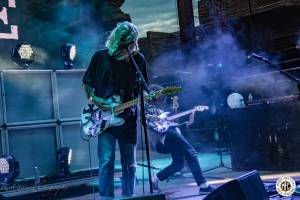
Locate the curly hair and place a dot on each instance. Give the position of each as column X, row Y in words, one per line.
column 124, row 33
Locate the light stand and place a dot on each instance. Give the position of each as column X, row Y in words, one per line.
column 220, row 128
column 142, row 85
column 219, row 117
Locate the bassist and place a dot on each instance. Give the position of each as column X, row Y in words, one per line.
column 170, row 140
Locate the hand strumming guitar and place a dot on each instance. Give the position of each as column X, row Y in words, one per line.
column 191, row 119
column 103, row 104
column 152, row 117
column 106, row 104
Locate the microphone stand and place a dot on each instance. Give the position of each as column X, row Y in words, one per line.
column 278, row 68
column 142, row 85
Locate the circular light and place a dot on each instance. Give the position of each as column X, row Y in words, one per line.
column 4, row 166
column 25, row 51
column 235, row 100
column 9, row 169
column 23, row 54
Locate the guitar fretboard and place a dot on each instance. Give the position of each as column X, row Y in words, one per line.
column 173, row 117
column 131, row 103
column 128, row 104
column 125, row 105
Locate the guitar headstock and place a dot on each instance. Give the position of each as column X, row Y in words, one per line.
column 175, row 104
column 201, row 108
column 168, row 91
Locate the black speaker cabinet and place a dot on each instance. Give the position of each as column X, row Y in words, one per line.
column 264, row 137
column 246, row 187
column 148, row 197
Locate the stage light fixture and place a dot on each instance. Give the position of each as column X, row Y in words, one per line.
column 235, row 100
column 23, row 54
column 9, row 169
column 68, row 54
column 64, row 158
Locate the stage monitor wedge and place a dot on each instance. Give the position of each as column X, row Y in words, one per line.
column 246, row 187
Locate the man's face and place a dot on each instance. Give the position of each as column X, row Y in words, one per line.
column 131, row 46
column 123, row 50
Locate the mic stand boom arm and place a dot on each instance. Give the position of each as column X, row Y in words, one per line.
column 278, row 68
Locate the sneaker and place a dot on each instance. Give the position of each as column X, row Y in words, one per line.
column 206, row 190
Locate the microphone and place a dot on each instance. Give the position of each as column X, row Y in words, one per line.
column 254, row 55
column 249, row 56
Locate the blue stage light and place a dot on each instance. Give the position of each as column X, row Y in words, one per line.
column 9, row 169
column 64, row 158
column 68, row 54
column 23, row 54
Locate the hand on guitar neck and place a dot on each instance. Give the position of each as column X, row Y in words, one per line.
column 106, row 104
column 191, row 119
column 151, row 96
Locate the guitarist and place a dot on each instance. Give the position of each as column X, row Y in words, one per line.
column 173, row 142
column 110, row 72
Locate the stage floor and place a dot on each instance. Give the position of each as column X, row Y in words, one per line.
column 182, row 185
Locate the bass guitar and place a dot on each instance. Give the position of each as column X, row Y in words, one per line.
column 164, row 122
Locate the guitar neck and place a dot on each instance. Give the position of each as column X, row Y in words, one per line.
column 125, row 105
column 135, row 101
column 176, row 116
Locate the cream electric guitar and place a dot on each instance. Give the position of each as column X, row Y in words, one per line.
column 164, row 121
column 94, row 121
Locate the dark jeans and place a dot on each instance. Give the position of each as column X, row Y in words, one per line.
column 106, row 153
column 180, row 149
